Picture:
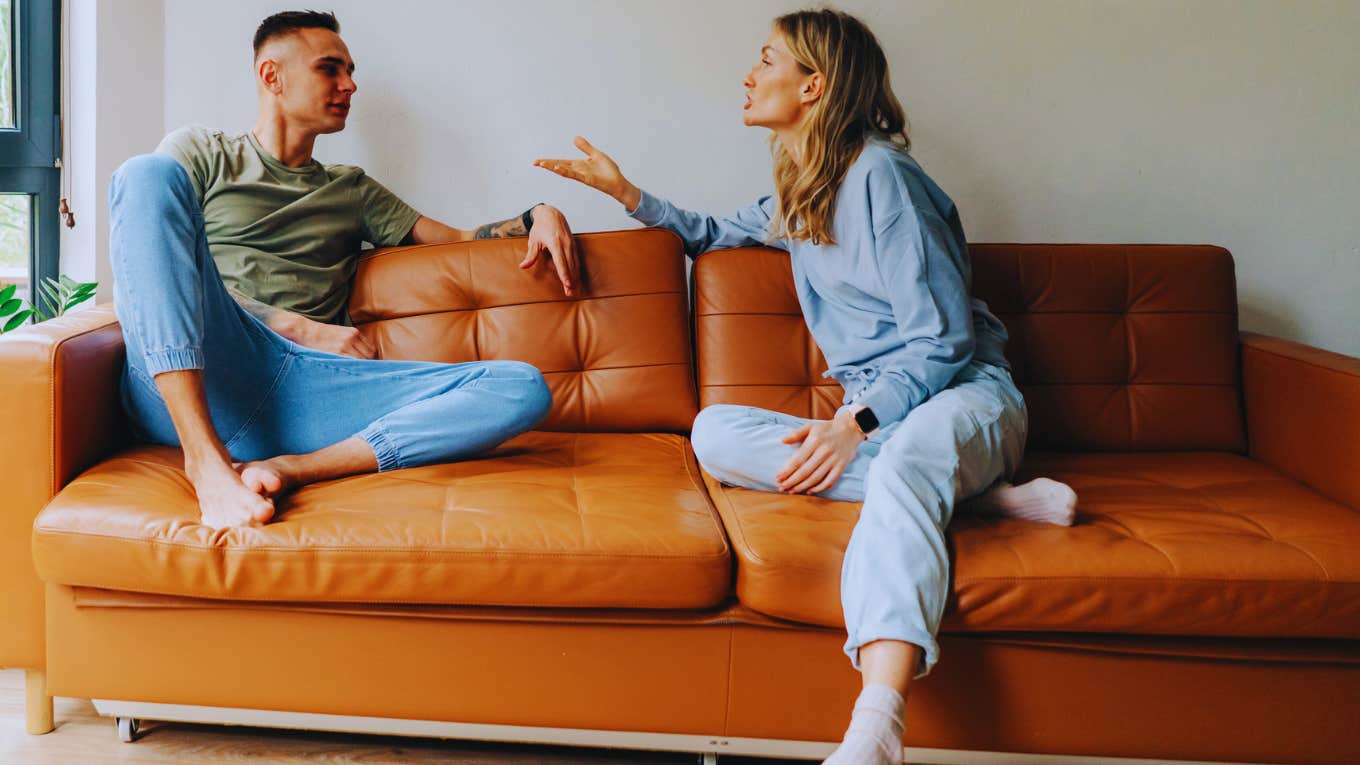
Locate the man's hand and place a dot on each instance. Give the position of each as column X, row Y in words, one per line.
column 550, row 232
column 331, row 338
column 828, row 447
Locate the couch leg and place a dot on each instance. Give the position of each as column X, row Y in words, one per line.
column 708, row 758
column 38, row 704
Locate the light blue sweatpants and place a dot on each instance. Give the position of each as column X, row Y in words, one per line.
column 909, row 475
column 267, row 395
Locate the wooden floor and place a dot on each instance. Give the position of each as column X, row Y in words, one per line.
column 83, row 737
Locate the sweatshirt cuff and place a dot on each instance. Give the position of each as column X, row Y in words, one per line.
column 886, row 401
column 650, row 211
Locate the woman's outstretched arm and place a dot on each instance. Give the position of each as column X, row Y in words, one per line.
column 701, row 233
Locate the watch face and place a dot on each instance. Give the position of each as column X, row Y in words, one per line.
column 866, row 420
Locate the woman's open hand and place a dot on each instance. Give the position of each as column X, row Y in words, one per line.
column 597, row 171
column 826, row 448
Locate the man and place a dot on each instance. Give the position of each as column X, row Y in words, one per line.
column 265, row 386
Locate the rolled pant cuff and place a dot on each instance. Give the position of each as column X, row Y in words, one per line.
column 173, row 360
column 383, row 448
column 930, row 652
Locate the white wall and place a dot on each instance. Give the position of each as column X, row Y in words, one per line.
column 1219, row 121
column 114, row 75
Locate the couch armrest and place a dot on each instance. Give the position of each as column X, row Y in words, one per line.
column 1303, row 413
column 60, row 413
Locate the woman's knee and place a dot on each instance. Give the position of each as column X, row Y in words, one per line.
column 713, row 436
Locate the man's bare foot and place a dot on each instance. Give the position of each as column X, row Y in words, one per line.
column 1042, row 499
column 224, row 499
column 268, row 478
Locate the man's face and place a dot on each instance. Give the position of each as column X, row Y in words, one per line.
column 315, row 79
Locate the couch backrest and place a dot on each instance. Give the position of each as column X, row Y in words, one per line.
column 617, row 357
column 1116, row 347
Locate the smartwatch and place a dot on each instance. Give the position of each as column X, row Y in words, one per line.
column 867, row 421
column 527, row 218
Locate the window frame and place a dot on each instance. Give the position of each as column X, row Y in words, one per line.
column 30, row 152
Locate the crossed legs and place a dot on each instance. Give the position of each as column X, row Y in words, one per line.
column 254, row 413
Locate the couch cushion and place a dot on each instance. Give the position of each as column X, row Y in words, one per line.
column 550, row 519
column 1167, row 544
column 1116, row 347
column 617, row 356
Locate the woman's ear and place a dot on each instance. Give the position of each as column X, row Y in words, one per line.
column 812, row 88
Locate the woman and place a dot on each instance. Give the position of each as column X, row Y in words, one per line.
column 881, row 268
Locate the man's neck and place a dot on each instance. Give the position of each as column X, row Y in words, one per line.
column 291, row 148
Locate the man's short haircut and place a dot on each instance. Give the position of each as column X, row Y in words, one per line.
column 289, row 22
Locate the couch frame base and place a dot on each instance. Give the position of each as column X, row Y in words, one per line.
column 707, row 748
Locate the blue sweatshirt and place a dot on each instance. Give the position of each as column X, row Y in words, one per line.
column 888, row 303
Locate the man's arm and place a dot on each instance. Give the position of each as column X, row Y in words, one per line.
column 331, row 338
column 549, row 232
column 276, row 319
column 430, row 231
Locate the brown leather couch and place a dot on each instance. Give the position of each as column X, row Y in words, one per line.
column 587, row 583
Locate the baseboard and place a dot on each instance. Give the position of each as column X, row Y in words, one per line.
column 666, row 742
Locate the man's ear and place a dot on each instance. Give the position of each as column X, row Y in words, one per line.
column 812, row 88
column 268, row 72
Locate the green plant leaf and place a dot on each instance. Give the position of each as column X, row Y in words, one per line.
column 67, row 281
column 8, row 292
column 18, row 320
column 52, row 294
column 75, row 301
column 10, row 306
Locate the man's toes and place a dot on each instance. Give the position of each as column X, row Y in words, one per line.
column 261, row 480
column 262, row 511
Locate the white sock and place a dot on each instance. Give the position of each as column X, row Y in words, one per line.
column 875, row 733
column 1042, row 499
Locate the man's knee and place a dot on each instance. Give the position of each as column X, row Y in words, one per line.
column 154, row 175
column 530, row 390
column 537, row 397
column 714, row 436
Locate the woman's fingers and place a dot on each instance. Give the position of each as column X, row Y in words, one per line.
column 809, row 465
column 795, row 462
column 797, row 435
column 814, row 478
column 562, row 167
column 829, row 481
column 585, row 147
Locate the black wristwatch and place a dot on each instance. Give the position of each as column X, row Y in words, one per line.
column 867, row 421
column 527, row 218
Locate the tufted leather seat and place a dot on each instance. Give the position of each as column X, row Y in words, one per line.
column 549, row 519
column 1199, row 544
column 1128, row 350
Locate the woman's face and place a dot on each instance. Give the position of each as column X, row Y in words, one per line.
column 777, row 88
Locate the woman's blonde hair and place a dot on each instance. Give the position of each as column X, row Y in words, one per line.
column 856, row 101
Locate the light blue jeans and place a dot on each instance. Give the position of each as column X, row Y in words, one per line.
column 909, row 475
column 267, row 395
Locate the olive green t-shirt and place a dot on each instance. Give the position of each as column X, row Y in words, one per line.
column 287, row 237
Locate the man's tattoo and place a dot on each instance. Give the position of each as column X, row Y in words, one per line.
column 508, row 227
column 262, row 311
